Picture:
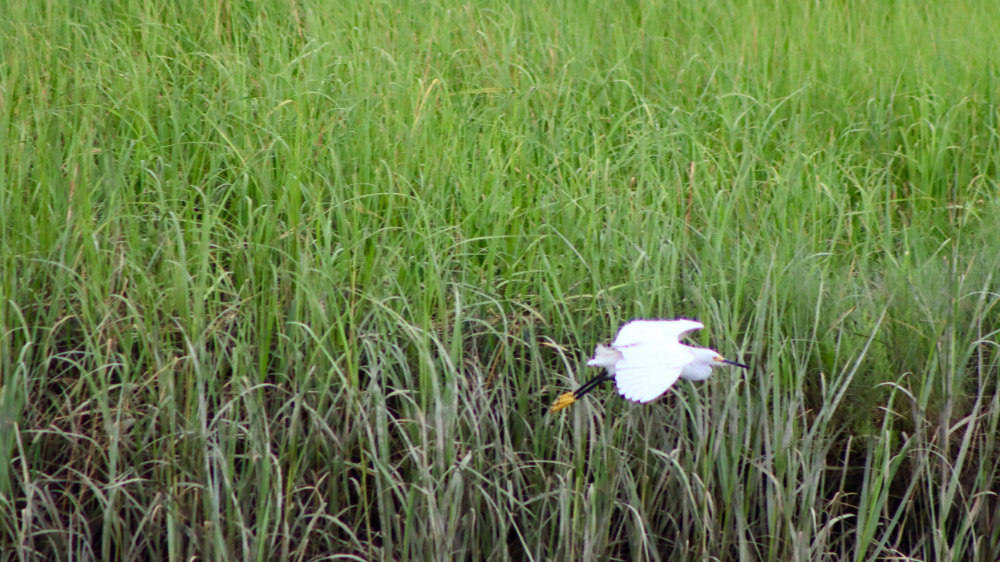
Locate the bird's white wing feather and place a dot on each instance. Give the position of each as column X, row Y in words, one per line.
column 646, row 371
column 678, row 328
column 654, row 332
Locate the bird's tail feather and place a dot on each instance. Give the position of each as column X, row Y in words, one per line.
column 605, row 356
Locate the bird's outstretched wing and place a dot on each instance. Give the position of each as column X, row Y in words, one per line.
column 661, row 332
column 647, row 371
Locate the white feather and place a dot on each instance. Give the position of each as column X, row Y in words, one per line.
column 649, row 368
column 606, row 357
column 653, row 332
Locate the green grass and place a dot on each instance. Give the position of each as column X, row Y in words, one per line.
column 297, row 279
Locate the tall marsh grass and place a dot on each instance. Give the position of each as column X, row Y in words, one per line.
column 298, row 279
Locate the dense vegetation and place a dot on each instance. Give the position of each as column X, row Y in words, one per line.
column 298, row 278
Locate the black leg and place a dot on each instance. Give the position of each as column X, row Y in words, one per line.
column 564, row 400
column 591, row 385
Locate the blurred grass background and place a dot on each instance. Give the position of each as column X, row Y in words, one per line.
column 297, row 279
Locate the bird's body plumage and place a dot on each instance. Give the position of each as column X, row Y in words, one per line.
column 646, row 359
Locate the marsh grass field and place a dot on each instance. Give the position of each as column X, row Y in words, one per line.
column 298, row 279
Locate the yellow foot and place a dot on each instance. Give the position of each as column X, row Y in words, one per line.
column 563, row 401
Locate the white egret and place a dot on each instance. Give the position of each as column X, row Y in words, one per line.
column 646, row 359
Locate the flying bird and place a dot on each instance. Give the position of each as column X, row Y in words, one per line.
column 646, row 359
